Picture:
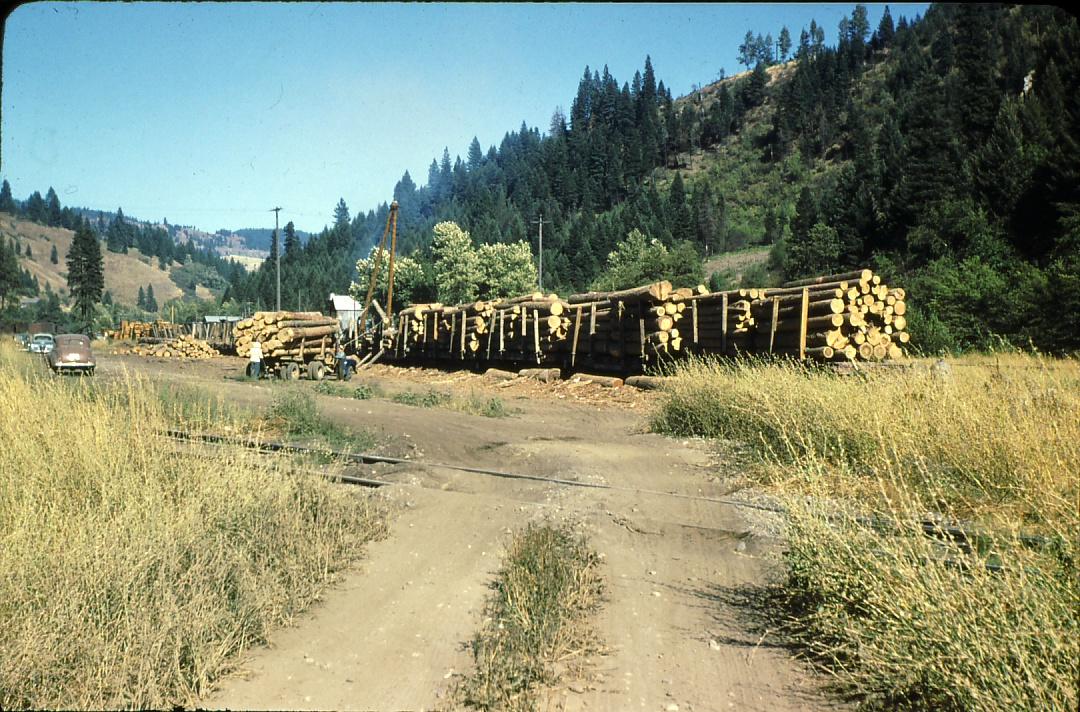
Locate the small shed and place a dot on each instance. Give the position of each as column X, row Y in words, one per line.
column 347, row 310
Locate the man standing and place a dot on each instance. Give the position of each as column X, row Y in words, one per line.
column 344, row 365
column 255, row 360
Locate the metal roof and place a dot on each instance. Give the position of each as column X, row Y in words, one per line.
column 344, row 303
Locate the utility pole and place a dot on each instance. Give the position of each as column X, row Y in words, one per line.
column 275, row 242
column 541, row 222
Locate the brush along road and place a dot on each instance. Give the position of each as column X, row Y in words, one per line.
column 678, row 571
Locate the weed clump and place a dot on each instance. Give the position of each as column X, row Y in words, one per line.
column 430, row 399
column 537, row 617
column 361, row 391
column 296, row 414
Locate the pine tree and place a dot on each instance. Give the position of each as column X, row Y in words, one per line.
column 706, row 225
column 785, row 44
column 475, row 156
column 86, row 273
column 341, row 215
column 885, row 31
column 151, row 302
column 54, row 256
column 52, row 208
column 292, row 242
column 679, row 217
column 35, row 208
column 748, row 50
column 7, row 202
column 140, row 301
column 10, row 277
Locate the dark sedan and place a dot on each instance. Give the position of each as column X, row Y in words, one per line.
column 71, row 353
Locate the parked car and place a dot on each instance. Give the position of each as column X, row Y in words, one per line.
column 42, row 343
column 23, row 340
column 72, row 353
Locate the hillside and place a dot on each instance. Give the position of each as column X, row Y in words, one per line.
column 125, row 274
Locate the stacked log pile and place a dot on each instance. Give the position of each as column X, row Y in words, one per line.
column 289, row 336
column 135, row 330
column 848, row 317
column 845, row 317
column 599, row 327
column 184, row 347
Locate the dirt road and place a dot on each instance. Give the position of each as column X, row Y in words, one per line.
column 678, row 568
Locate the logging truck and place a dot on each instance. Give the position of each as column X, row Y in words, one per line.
column 294, row 345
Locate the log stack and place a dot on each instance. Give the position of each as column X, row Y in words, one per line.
column 135, row 330
column 184, row 347
column 844, row 317
column 287, row 335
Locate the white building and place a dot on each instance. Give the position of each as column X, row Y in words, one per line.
column 347, row 310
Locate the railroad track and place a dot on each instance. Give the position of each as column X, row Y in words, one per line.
column 968, row 539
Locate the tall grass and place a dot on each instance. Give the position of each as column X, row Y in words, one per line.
column 536, row 620
column 132, row 573
column 903, row 619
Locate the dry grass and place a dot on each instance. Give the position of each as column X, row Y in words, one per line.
column 536, row 623
column 131, row 573
column 905, row 620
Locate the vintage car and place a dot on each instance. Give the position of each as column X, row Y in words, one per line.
column 42, row 343
column 71, row 353
column 23, row 340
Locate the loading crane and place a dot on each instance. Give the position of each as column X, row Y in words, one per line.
column 374, row 337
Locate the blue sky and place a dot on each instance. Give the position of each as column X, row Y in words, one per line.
column 210, row 114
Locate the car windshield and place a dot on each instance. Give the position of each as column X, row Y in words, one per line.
column 42, row 338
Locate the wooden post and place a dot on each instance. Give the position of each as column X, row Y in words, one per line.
column 775, row 316
column 693, row 309
column 592, row 319
column 463, row 329
column 802, row 323
column 502, row 337
column 577, row 330
column 641, row 329
column 491, row 334
column 723, row 323
column 453, row 330
column 536, row 333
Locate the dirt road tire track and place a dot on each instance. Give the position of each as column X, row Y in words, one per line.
column 392, row 635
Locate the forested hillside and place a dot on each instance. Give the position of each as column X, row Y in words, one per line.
column 940, row 150
column 146, row 267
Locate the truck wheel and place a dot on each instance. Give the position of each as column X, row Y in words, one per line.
column 290, row 372
column 316, row 371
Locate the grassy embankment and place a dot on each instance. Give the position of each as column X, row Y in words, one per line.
column 903, row 619
column 132, row 572
column 537, row 621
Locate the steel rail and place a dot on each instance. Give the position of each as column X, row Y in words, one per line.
column 967, row 540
